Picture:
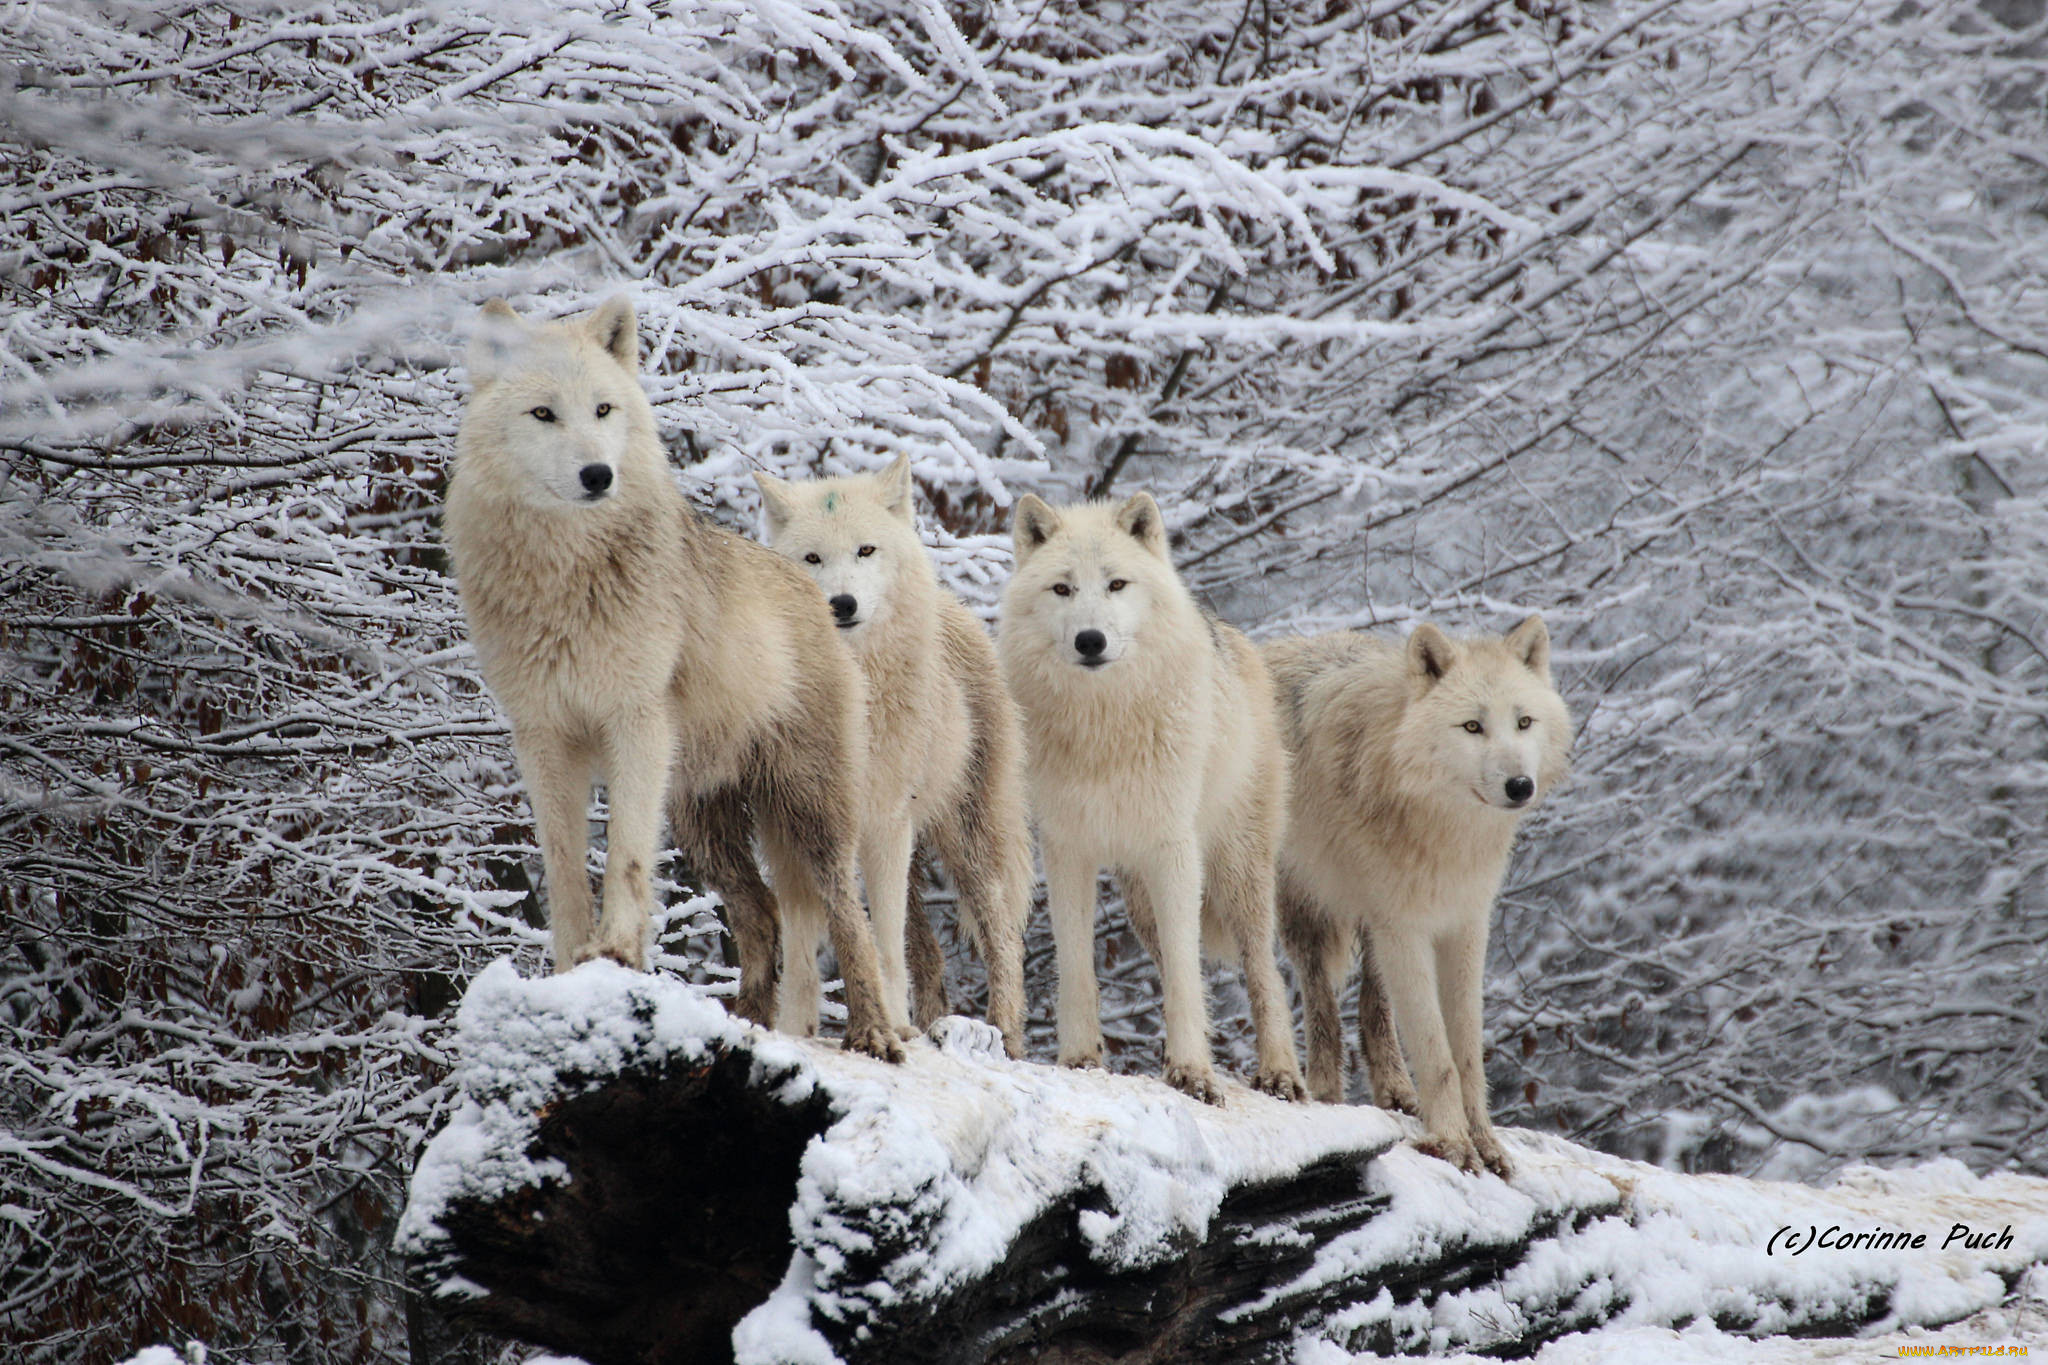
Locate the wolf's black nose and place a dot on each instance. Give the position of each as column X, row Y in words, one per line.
column 1520, row 789
column 1090, row 643
column 595, row 477
column 844, row 606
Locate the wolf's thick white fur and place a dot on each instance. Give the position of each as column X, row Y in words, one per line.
column 945, row 746
column 1152, row 748
column 1413, row 767
column 627, row 638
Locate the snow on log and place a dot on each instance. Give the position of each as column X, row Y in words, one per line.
column 636, row 1176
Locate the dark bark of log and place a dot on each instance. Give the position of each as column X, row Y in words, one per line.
column 1048, row 1302
column 674, row 1221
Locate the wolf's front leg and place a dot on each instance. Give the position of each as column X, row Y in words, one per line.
column 868, row 1026
column 1241, row 895
column 989, row 861
column 1461, row 959
column 802, row 925
column 1391, row 1088
column 557, row 777
column 811, row 845
column 885, row 851
column 638, row 752
column 1173, row 880
column 1321, row 952
column 1408, row 965
column 1002, row 954
column 1070, row 898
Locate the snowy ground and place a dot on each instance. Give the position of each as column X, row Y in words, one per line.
column 966, row 1147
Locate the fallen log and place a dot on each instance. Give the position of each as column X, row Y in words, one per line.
column 638, row 1177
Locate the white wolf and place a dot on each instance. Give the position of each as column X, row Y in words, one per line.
column 1153, row 748
column 626, row 637
column 1412, row 769
column 945, row 747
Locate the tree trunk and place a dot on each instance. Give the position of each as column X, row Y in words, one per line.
column 643, row 1180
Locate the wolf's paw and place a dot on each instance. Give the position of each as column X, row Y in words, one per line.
column 1492, row 1154
column 908, row 1031
column 599, row 950
column 1195, row 1081
column 1398, row 1099
column 1326, row 1088
column 1082, row 1061
column 1459, row 1151
column 876, row 1040
column 1281, row 1084
column 1393, row 1090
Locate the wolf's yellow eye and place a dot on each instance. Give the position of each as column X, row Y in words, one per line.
column 604, row 409
column 1062, row 590
column 812, row 558
column 543, row 414
column 1473, row 727
column 865, row 550
column 1119, row 584
column 1525, row 722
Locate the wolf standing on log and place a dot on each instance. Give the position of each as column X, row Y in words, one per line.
column 626, row 637
column 1153, row 748
column 1413, row 768
column 946, row 750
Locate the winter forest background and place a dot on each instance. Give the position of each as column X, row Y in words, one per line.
column 1716, row 330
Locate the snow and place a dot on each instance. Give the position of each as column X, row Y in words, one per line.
column 1701, row 1343
column 929, row 1171
column 520, row 1041
column 1694, row 1249
column 1682, row 1249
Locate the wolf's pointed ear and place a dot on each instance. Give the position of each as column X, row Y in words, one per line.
column 1531, row 643
column 493, row 338
column 1430, row 653
column 614, row 327
column 1139, row 515
column 1031, row 525
column 895, row 486
column 776, row 504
